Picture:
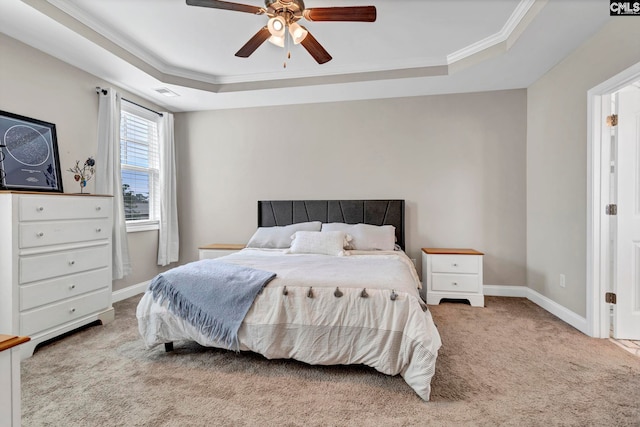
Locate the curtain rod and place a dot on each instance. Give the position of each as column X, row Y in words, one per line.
column 104, row 92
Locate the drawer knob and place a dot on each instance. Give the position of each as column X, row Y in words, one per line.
column 98, row 208
column 40, row 208
column 72, row 262
column 98, row 230
column 455, row 283
column 72, row 287
column 40, row 234
column 455, row 265
column 72, row 310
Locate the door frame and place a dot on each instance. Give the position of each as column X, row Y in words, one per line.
column 598, row 233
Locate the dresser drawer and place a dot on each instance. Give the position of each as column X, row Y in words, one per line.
column 64, row 287
column 34, row 234
column 39, row 267
column 40, row 208
column 455, row 282
column 455, row 264
column 65, row 311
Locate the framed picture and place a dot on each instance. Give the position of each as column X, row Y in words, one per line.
column 28, row 154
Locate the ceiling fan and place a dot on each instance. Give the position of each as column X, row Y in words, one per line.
column 285, row 14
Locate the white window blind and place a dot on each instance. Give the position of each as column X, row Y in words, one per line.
column 140, row 163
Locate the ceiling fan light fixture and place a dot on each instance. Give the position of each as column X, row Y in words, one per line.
column 276, row 26
column 278, row 41
column 297, row 32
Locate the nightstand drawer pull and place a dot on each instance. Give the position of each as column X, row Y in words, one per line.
column 72, row 310
column 98, row 230
column 72, row 287
column 40, row 208
column 40, row 234
column 98, row 208
column 72, row 262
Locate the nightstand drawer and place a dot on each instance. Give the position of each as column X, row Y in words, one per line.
column 217, row 250
column 455, row 264
column 455, row 282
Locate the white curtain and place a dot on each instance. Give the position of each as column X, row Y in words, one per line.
column 168, row 245
column 108, row 178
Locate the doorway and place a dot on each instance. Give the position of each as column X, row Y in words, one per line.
column 612, row 266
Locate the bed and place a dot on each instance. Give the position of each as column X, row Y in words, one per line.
column 323, row 305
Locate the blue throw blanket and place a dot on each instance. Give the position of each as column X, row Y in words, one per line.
column 211, row 295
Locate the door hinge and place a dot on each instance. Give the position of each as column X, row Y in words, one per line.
column 610, row 298
column 612, row 120
column 611, row 209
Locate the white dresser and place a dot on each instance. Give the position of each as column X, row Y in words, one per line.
column 55, row 263
column 452, row 274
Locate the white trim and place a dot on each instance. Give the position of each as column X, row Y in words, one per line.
column 505, row 291
column 144, row 225
column 563, row 313
column 501, row 36
column 598, row 320
column 130, row 291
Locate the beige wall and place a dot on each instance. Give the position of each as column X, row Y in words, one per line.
column 557, row 161
column 36, row 85
column 457, row 160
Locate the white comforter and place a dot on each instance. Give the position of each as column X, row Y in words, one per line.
column 393, row 336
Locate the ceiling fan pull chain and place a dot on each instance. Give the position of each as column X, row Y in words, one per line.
column 286, row 37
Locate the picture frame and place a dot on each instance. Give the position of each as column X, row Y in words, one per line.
column 29, row 159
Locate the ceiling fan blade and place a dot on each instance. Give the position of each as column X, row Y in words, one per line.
column 315, row 49
column 226, row 5
column 349, row 13
column 254, row 43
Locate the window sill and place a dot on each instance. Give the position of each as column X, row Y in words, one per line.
column 136, row 226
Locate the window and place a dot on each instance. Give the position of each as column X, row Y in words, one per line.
column 139, row 156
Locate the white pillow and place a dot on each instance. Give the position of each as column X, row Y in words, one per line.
column 366, row 237
column 315, row 242
column 279, row 237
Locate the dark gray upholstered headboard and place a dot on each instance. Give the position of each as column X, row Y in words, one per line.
column 376, row 212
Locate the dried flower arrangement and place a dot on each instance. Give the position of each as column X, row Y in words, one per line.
column 85, row 173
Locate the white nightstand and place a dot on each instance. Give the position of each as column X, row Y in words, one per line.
column 216, row 250
column 452, row 273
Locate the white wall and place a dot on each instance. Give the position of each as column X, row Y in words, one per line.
column 36, row 85
column 457, row 160
column 557, row 161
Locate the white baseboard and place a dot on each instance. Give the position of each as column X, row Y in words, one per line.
column 505, row 291
column 563, row 313
column 578, row 322
column 130, row 291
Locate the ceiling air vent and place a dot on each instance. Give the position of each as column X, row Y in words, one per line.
column 166, row 92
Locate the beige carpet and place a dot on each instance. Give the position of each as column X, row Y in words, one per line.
column 510, row 363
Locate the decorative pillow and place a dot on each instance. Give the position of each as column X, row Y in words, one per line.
column 315, row 242
column 279, row 237
column 366, row 237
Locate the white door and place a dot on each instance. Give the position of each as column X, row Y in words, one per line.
column 627, row 278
